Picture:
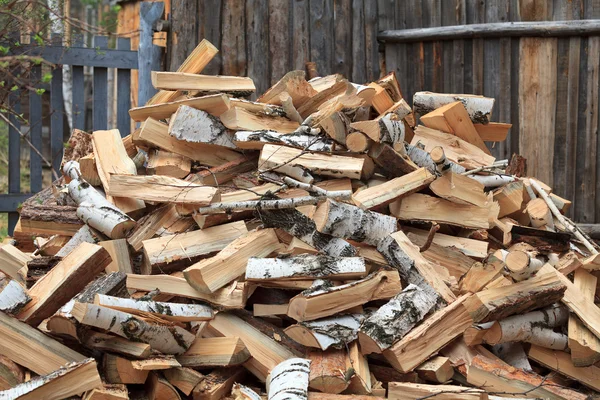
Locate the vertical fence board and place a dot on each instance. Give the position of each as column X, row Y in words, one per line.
column 300, row 34
column 35, row 133
column 233, row 38
column 78, row 110
column 321, row 33
column 359, row 61
column 57, row 118
column 343, row 35
column 100, row 110
column 183, row 27
column 257, row 36
column 14, row 154
column 149, row 55
column 123, row 93
column 279, row 51
column 371, row 45
column 209, row 13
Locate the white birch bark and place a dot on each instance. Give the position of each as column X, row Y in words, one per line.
column 84, row 234
column 479, row 108
column 93, row 208
column 423, row 159
column 513, row 354
column 13, row 298
column 397, row 317
column 197, row 126
column 166, row 339
column 524, row 265
column 493, row 181
column 289, row 380
column 299, row 140
column 347, row 221
column 305, row 266
column 169, row 311
column 391, row 131
column 336, row 331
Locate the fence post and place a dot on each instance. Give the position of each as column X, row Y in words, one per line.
column 123, row 92
column 14, row 154
column 149, row 55
column 57, row 107
column 100, row 113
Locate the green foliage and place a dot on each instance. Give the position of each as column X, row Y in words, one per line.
column 47, row 77
column 14, row 88
column 4, row 50
column 40, row 92
column 38, row 39
column 3, row 223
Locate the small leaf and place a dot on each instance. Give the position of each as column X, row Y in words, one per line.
column 14, row 88
column 40, row 91
column 47, row 77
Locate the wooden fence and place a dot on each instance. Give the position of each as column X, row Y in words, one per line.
column 547, row 87
column 100, row 57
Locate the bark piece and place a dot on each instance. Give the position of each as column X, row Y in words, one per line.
column 256, row 140
column 299, row 165
column 197, row 126
column 336, row 331
column 350, row 222
column 394, row 319
column 237, row 85
column 67, row 381
column 215, row 104
column 393, row 190
column 494, row 304
column 231, row 296
column 13, row 262
column 166, row 339
column 289, row 380
column 167, row 311
column 266, row 352
column 308, row 305
column 242, row 120
column 584, row 345
column 174, row 251
column 156, row 134
column 217, row 384
column 214, row 273
column 215, row 352
column 13, row 297
column 305, row 267
column 64, row 281
column 460, row 189
column 121, row 371
column 416, row 391
column 165, row 163
column 184, row 379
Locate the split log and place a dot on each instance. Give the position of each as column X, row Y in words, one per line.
column 381, row 101
column 235, row 85
column 120, row 370
column 494, row 304
column 327, row 102
column 394, row 189
column 358, row 142
column 156, row 363
column 392, row 162
column 381, row 130
column 111, row 158
column 269, row 310
column 534, row 327
column 479, row 108
column 119, row 255
column 158, row 388
column 361, row 383
column 166, row 339
column 13, row 297
column 561, row 362
column 329, row 396
column 156, row 134
column 421, row 207
column 563, row 205
column 294, row 83
column 192, row 125
column 217, row 384
column 108, row 392
column 184, row 379
column 584, row 345
column 215, row 104
column 240, row 119
column 543, row 240
column 231, row 296
column 255, row 140
column 308, row 305
column 451, row 258
column 481, row 274
column 499, row 377
column 224, row 173
column 305, row 267
column 268, row 204
column 118, row 345
column 70, row 380
column 395, row 319
column 43, row 354
column 89, row 170
column 266, row 352
column 455, row 149
column 84, row 234
column 241, row 392
column 453, row 118
column 289, row 380
column 430, row 336
column 391, row 86
column 416, row 391
column 299, row 165
column 475, row 333
column 13, row 262
column 568, row 263
column 509, row 198
column 460, row 189
column 336, row 331
column 403, row 255
column 174, row 251
column 94, row 209
column 149, row 225
column 328, row 370
column 299, row 225
column 215, row 352
column 522, row 265
column 423, row 159
column 287, row 103
column 162, row 162
column 336, row 126
column 347, row 221
column 167, row 311
column 64, row 281
column 473, row 248
column 214, row 273
column 493, row 131
column 11, row 374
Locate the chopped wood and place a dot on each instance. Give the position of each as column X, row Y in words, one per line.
column 451, row 258
column 119, row 255
column 384, row 130
column 192, row 125
column 493, row 131
column 13, row 262
column 522, row 265
column 361, row 382
column 460, row 189
column 308, row 305
column 225, row 172
column 156, row 363
column 108, row 392
column 13, row 296
column 256, row 139
column 470, row 247
column 482, row 274
column 326, row 332
column 509, row 198
column 416, row 391
column 236, row 85
column 183, row 378
column 241, row 119
column 215, row 352
column 217, row 384
column 584, row 345
column 479, row 108
column 328, row 370
column 118, row 345
column 215, row 104
column 289, row 380
column 120, row 370
column 162, row 162
column 294, row 84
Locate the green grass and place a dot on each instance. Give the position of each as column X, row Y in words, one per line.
column 3, row 226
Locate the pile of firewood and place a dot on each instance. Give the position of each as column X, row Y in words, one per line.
column 323, row 242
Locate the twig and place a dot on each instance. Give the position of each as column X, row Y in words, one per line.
column 434, row 228
column 497, row 164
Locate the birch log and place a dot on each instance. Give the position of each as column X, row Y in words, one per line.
column 347, row 221
column 197, row 126
column 305, row 266
column 289, row 380
column 93, row 208
column 13, row 297
column 479, row 108
column 299, row 225
column 166, row 339
column 167, row 311
column 255, row 140
column 534, row 327
column 493, row 181
column 522, row 264
column 336, row 331
column 395, row 319
column 423, row 159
